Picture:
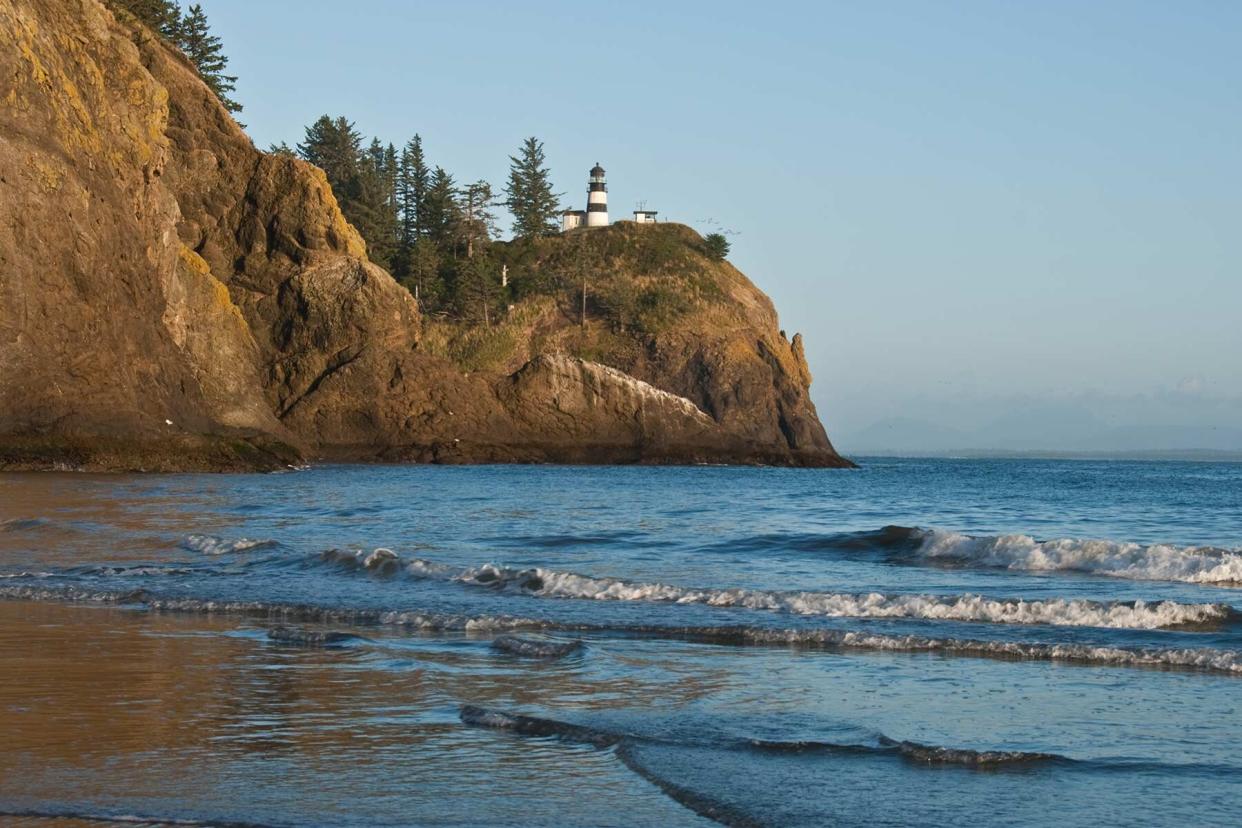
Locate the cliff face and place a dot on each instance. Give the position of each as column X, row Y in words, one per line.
column 170, row 297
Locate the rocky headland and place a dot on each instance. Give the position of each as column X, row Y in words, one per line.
column 171, row 298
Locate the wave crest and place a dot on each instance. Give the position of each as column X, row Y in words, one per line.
column 1154, row 562
column 215, row 545
column 550, row 583
column 1193, row 658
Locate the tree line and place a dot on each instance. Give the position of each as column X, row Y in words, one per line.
column 433, row 234
column 189, row 31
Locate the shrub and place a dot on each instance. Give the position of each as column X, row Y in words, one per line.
column 716, row 245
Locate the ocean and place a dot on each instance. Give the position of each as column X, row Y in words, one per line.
column 916, row 642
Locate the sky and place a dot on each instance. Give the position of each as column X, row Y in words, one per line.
column 998, row 225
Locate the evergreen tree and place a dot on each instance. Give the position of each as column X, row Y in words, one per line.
column 361, row 179
column 476, row 221
column 529, row 193
column 441, row 208
column 413, row 182
column 204, row 49
column 476, row 289
column 334, row 146
column 717, row 245
column 423, row 274
column 368, row 207
column 392, row 172
column 281, row 149
column 164, row 16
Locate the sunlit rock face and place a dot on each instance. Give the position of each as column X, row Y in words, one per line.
column 172, row 298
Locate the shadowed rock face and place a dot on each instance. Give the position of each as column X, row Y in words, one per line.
column 172, row 298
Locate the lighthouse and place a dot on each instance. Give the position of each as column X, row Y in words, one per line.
column 597, row 198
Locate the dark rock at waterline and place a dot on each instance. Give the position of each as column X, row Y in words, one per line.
column 296, row 636
column 535, row 647
column 533, row 726
column 171, row 298
column 937, row 755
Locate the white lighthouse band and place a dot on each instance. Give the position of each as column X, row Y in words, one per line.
column 596, row 213
column 597, row 198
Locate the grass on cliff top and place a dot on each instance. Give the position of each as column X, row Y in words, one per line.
column 640, row 281
column 639, row 278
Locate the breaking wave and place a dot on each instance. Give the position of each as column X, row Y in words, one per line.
column 1193, row 658
column 214, row 545
column 548, row 583
column 1154, row 562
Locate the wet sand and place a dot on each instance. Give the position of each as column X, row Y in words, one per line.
column 111, row 712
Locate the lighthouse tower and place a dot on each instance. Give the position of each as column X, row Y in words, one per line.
column 597, row 198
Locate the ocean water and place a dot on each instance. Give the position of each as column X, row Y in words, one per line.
column 918, row 642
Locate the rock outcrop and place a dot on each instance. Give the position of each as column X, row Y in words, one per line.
column 172, row 298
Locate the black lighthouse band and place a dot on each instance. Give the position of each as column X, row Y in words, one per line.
column 596, row 213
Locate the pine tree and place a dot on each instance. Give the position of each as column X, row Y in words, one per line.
column 476, row 222
column 368, row 208
column 164, row 16
column 530, row 198
column 334, row 146
column 476, row 289
column 281, row 149
column 392, row 172
column 361, row 179
column 204, row 49
column 441, row 208
column 717, row 246
column 413, row 182
column 423, row 274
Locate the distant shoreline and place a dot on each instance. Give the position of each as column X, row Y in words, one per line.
column 1155, row 455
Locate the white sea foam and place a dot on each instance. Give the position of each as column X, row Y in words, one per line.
column 1056, row 611
column 1155, row 562
column 214, row 545
column 1205, row 658
column 1200, row 658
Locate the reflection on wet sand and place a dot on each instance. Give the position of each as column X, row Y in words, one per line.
column 168, row 715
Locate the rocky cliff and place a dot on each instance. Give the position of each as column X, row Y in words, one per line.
column 172, row 298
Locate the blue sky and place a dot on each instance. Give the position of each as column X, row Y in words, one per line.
column 1004, row 219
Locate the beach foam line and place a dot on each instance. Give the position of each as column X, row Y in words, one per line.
column 549, row 583
column 841, row 640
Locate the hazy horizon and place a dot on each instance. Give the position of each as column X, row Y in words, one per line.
column 1009, row 225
